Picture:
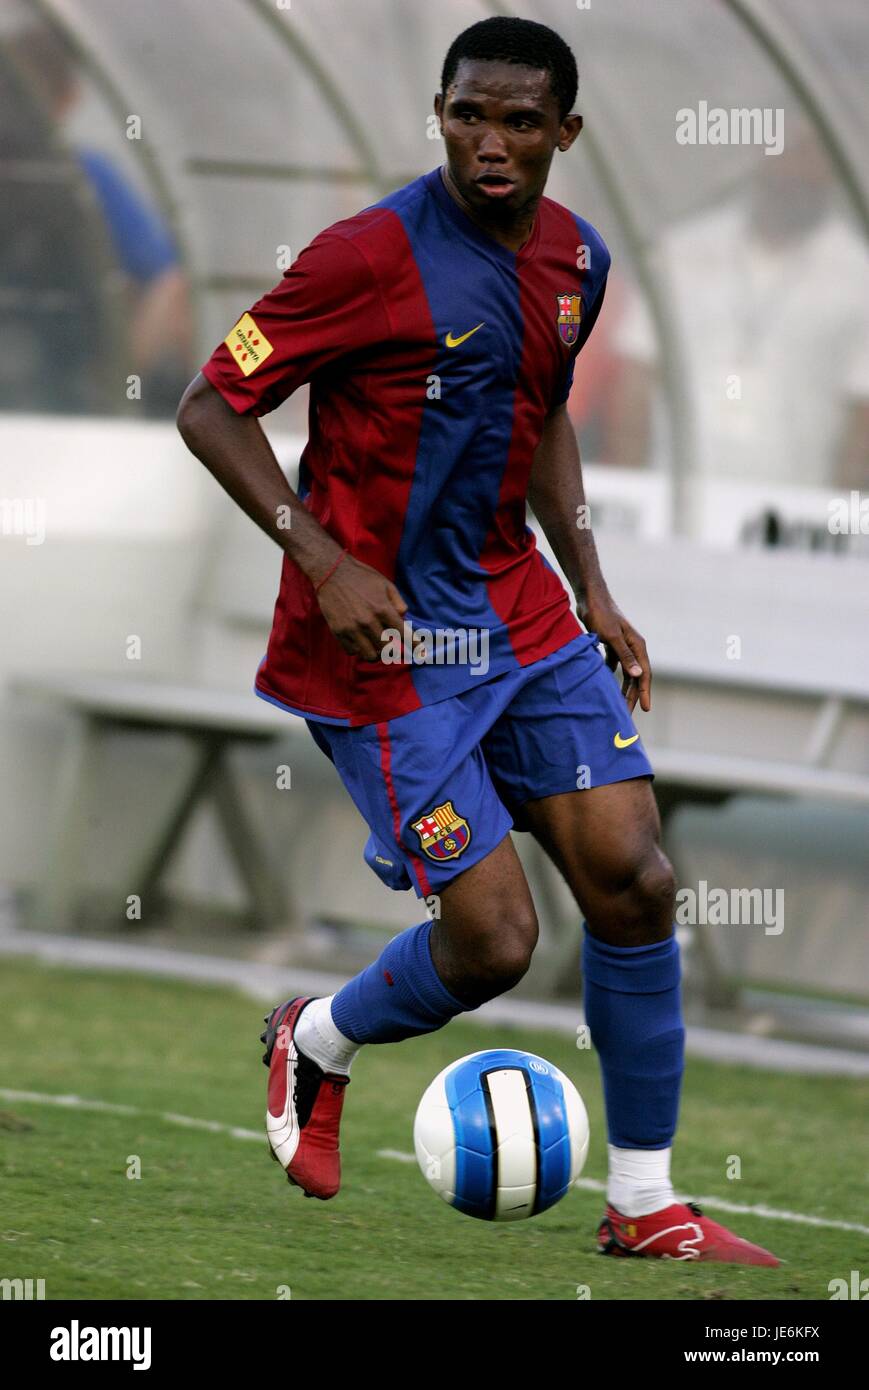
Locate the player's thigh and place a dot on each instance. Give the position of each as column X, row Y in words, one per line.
column 567, row 728
column 599, row 837
column 487, row 925
column 438, row 825
column 569, row 765
column 606, row 842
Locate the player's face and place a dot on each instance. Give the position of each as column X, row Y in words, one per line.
column 501, row 127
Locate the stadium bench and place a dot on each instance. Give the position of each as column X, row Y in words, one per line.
column 213, row 721
column 683, row 778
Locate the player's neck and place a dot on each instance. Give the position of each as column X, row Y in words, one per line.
column 512, row 233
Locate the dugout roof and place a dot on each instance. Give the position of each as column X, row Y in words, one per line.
column 261, row 121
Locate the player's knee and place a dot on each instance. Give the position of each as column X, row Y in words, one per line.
column 503, row 957
column 635, row 904
column 653, row 893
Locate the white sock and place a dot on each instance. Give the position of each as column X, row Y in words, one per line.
column 319, row 1039
column 639, row 1180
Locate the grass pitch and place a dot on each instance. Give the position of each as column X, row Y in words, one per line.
column 212, row 1218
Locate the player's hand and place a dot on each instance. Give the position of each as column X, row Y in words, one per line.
column 358, row 603
column 624, row 647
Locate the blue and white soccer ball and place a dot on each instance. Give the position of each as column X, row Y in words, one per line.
column 501, row 1134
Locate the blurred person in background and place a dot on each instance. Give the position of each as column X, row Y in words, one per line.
column 773, row 288
column 53, row 308
column 157, row 314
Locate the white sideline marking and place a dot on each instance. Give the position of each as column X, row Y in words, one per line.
column 107, row 1108
column 713, row 1203
column 72, row 1102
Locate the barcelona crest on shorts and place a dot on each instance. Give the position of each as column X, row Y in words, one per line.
column 569, row 315
column 442, row 834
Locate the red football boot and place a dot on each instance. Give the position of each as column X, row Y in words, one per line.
column 677, row 1232
column 304, row 1107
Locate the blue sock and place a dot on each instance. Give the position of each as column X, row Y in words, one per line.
column 633, row 1008
column 399, row 996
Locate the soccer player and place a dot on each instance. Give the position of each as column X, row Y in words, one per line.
column 432, row 651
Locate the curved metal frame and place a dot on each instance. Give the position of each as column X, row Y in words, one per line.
column 790, row 57
column 332, row 93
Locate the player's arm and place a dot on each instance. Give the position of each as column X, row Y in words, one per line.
column 356, row 601
column 557, row 498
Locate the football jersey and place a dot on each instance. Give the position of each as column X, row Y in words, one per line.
column 434, row 355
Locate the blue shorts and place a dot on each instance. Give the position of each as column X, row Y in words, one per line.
column 441, row 787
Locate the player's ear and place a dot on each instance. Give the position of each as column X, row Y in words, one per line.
column 439, row 108
column 570, row 130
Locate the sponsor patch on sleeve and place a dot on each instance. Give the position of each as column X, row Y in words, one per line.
column 248, row 345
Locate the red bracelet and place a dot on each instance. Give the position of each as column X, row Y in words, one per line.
column 329, row 572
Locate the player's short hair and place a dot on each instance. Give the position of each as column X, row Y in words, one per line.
column 508, row 40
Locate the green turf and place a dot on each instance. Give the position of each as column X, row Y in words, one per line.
column 212, row 1218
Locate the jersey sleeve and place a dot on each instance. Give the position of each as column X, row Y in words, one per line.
column 327, row 306
column 594, row 290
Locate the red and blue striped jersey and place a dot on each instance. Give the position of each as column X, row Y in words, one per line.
column 434, row 355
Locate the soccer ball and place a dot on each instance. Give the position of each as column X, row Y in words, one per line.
column 501, row 1135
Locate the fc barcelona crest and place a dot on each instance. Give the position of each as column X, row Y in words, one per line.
column 442, row 834
column 569, row 315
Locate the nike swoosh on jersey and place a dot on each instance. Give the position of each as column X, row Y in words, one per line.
column 624, row 742
column 454, row 342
